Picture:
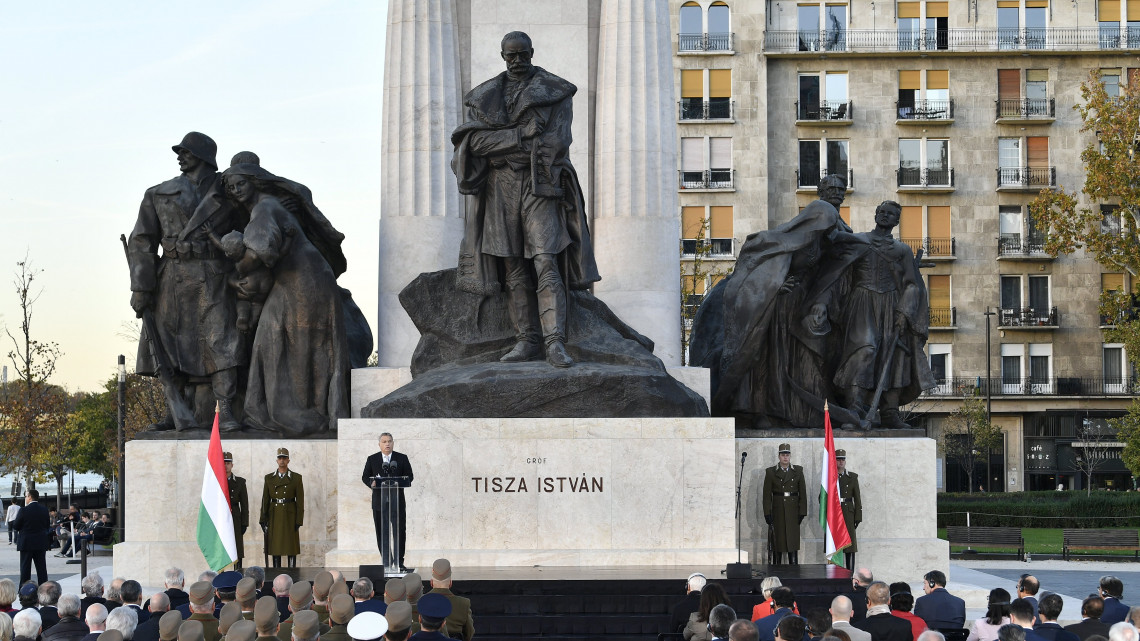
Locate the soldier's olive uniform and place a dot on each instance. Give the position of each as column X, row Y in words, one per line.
column 239, row 508
column 282, row 512
column 852, row 504
column 785, row 499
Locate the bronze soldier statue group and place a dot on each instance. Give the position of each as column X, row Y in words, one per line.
column 783, row 499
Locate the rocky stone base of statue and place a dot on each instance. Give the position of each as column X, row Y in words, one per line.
column 456, row 370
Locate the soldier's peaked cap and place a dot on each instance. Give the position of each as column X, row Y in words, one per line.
column 785, row 448
column 201, row 146
column 840, row 454
column 434, row 605
column 282, row 451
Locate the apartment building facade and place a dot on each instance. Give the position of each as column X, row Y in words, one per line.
column 962, row 111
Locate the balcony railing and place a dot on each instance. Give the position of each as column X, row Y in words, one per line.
column 689, row 42
column 932, row 247
column 925, row 110
column 943, row 317
column 921, row 177
column 716, row 246
column 1026, row 108
column 824, row 111
column 707, row 179
column 1035, row 385
column 808, row 180
column 1017, row 245
column 1027, row 177
column 697, row 109
column 1028, row 317
column 969, row 40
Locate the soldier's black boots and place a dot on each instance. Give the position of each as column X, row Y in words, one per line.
column 292, row 561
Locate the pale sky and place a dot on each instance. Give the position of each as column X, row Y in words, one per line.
column 93, row 95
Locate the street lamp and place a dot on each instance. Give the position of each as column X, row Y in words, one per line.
column 122, row 443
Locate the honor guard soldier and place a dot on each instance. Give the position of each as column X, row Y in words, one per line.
column 283, row 511
column 785, row 505
column 851, row 501
column 239, row 506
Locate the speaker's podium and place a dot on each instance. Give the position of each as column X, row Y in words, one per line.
column 388, row 496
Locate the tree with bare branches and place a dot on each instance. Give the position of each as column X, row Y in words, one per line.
column 968, row 436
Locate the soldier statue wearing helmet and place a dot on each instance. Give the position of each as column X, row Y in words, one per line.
column 190, row 337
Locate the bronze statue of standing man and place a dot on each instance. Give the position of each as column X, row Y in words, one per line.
column 526, row 218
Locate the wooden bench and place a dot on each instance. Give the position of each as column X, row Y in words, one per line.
column 1090, row 539
column 1006, row 537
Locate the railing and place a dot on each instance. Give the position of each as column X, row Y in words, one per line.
column 1026, row 108
column 716, row 246
column 1012, row 245
column 705, row 42
column 1036, row 385
column 943, row 317
column 925, row 110
column 932, row 247
column 1027, row 177
column 806, row 180
column 697, row 109
column 1028, row 317
column 707, row 179
column 825, row 111
column 970, row 40
column 921, row 177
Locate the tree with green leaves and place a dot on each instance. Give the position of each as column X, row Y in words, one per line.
column 695, row 276
column 969, row 436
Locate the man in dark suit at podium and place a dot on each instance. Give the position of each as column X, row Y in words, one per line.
column 388, row 505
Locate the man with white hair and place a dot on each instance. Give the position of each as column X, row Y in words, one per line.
column 113, row 595
column 92, row 586
column 48, row 596
column 688, row 605
column 26, row 625
column 124, row 620
column 931, row 635
column 69, row 628
column 1123, row 631
column 281, row 586
column 841, row 619
column 96, row 619
column 362, row 593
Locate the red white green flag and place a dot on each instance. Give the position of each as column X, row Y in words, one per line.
column 836, row 536
column 215, row 521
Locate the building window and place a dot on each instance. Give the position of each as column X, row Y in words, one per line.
column 923, row 25
column 924, row 95
column 1114, row 369
column 927, row 228
column 1038, row 312
column 1029, row 101
column 1110, row 222
column 706, row 94
column 1024, row 162
column 706, row 163
column 701, row 31
column 831, row 16
column 1018, row 233
column 711, row 226
column 1111, row 80
column 938, row 289
column 924, row 162
column 832, row 86
column 1110, row 18
column 1011, row 14
column 941, row 365
column 1012, row 355
column 1041, row 368
column 819, row 158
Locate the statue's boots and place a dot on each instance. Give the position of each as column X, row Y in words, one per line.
column 890, row 419
column 552, row 315
column 167, row 423
column 226, row 420
column 520, row 302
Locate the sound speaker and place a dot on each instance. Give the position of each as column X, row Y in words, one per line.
column 738, row 571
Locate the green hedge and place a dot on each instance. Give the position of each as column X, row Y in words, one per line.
column 1041, row 509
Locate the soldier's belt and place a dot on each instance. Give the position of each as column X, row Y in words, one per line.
column 785, row 494
column 190, row 249
column 846, row 500
column 283, row 501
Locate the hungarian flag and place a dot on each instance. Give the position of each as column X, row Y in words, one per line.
column 215, row 521
column 836, row 537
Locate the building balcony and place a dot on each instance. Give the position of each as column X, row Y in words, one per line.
column 1028, row 318
column 943, row 317
column 933, row 248
column 716, row 247
column 809, row 182
column 925, row 112
column 915, row 179
column 1026, row 111
column 707, row 180
column 825, row 113
column 1026, row 178
column 697, row 110
column 698, row 43
column 1018, row 247
column 952, row 40
column 1035, row 386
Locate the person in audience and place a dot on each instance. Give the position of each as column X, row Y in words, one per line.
column 997, row 615
column 434, row 610
column 940, row 609
column 742, row 630
column 257, row 573
column 26, row 624
column 1091, row 610
column 131, row 593
column 1012, row 632
column 69, row 627
column 1111, row 589
column 123, row 620
column 818, row 621
column 1123, row 631
column 282, row 584
column 6, row 629
column 48, row 596
column 92, row 586
column 27, row 597
column 96, row 620
column 8, row 596
column 114, row 595
column 841, row 619
column 460, row 621
column 790, row 628
column 783, row 598
column 902, row 601
column 679, row 615
column 157, row 605
column 1021, row 613
column 397, row 619
column 1027, row 587
column 1048, row 611
column 767, row 606
column 363, row 593
column 202, row 609
column 1134, row 615
column 860, row 579
column 697, row 629
column 930, row 635
column 879, row 622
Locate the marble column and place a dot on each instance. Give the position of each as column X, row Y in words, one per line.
column 421, row 213
column 636, row 217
